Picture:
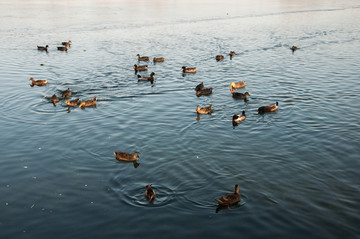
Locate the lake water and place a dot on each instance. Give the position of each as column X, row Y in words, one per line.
column 298, row 168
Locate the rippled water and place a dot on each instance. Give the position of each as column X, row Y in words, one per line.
column 297, row 168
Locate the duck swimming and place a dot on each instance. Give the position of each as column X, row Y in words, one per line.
column 150, row 193
column 239, row 118
column 43, row 48
column 66, row 93
column 268, row 108
column 88, row 103
column 293, row 48
column 158, row 59
column 73, row 102
column 188, row 69
column 239, row 95
column 199, row 86
column 140, row 68
column 147, row 78
column 66, row 43
column 206, row 110
column 230, row 199
column 219, row 57
column 236, row 85
column 38, row 82
column 62, row 48
column 142, row 58
column 204, row 91
column 54, row 99
column 122, row 156
column 232, row 53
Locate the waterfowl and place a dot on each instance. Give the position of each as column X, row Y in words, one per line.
column 199, row 86
column 73, row 102
column 142, row 58
column 239, row 95
column 188, row 69
column 62, row 48
column 236, row 85
column 140, row 68
column 150, row 193
column 239, row 117
column 66, row 43
column 158, row 59
column 204, row 91
column 268, row 108
column 122, row 156
column 231, row 198
column 219, row 57
column 88, row 103
column 54, row 99
column 66, row 93
column 205, row 110
column 232, row 53
column 38, row 82
column 147, row 78
column 293, row 48
column 43, row 48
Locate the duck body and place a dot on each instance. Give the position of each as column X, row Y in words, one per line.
column 62, row 48
column 140, row 68
column 142, row 58
column 88, row 103
column 66, row 43
column 204, row 91
column 150, row 193
column 237, row 85
column 239, row 117
column 219, row 57
column 158, row 59
column 268, row 108
column 199, row 86
column 293, row 48
column 54, row 99
column 231, row 198
column 43, row 48
column 122, row 156
column 238, row 95
column 147, row 78
column 232, row 53
column 38, row 82
column 188, row 69
column 66, row 93
column 206, row 110
column 73, row 102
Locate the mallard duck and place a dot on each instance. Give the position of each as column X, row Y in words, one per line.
column 122, row 156
column 294, row 48
column 54, row 99
column 206, row 110
column 236, row 85
column 73, row 102
column 230, row 199
column 239, row 118
column 142, row 58
column 150, row 193
column 268, row 108
column 66, row 43
column 158, row 59
column 204, row 91
column 147, row 78
column 66, row 93
column 43, row 48
column 232, row 53
column 140, row 68
column 62, row 48
column 188, row 69
column 199, row 86
column 88, row 103
column 219, row 57
column 38, row 82
column 239, row 95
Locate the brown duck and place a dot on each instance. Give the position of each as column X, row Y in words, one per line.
column 147, row 78
column 140, row 68
column 122, row 156
column 236, row 85
column 237, row 118
column 43, row 48
column 268, row 108
column 199, row 86
column 150, row 193
column 54, row 99
column 293, row 48
column 188, row 69
column 38, row 82
column 158, row 59
column 88, row 103
column 142, row 58
column 232, row 53
column 66, row 43
column 62, row 48
column 206, row 110
column 204, row 91
column 230, row 199
column 219, row 57
column 239, row 95
column 73, row 102
column 66, row 93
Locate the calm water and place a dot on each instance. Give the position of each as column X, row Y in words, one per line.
column 298, row 169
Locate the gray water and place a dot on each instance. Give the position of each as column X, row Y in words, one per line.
column 297, row 168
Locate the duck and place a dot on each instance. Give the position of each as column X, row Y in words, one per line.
column 54, row 99
column 158, row 59
column 140, row 68
column 150, row 193
column 206, row 110
column 66, row 93
column 232, row 53
column 293, row 48
column 38, row 82
column 43, row 48
column 268, row 108
column 199, row 86
column 237, row 118
column 219, row 57
column 122, row 156
column 62, row 48
column 73, row 102
column 230, row 199
column 239, row 95
column 142, row 58
column 66, row 43
column 88, row 103
column 188, row 69
column 147, row 78
column 236, row 85
column 204, row 91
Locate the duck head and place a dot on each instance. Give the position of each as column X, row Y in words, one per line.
column 136, row 155
column 135, row 66
column 236, row 189
column 152, row 74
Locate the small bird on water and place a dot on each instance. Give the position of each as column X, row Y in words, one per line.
column 150, row 193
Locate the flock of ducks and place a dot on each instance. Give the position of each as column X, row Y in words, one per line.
column 150, row 194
